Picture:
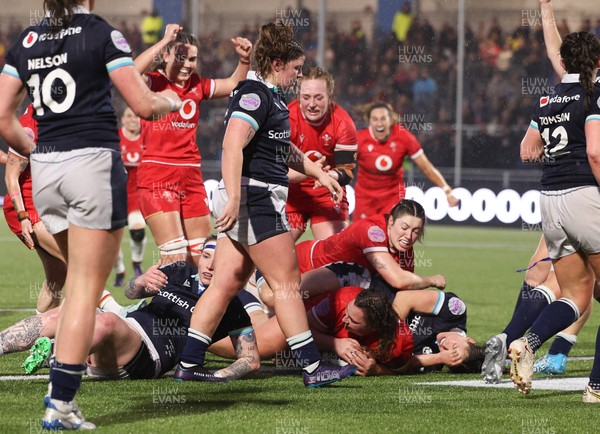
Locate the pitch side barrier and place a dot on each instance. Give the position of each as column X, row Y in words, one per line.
column 479, row 205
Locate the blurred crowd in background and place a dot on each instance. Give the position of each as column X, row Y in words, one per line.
column 413, row 67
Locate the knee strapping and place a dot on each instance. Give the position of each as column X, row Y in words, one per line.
column 174, row 247
column 196, row 245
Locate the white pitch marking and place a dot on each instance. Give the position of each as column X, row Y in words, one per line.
column 24, row 309
column 548, row 383
column 22, row 377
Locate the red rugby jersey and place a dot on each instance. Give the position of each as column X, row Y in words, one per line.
column 380, row 170
column 335, row 132
column 172, row 139
column 330, row 313
column 131, row 149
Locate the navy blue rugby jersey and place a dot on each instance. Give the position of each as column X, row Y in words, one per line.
column 266, row 156
column 560, row 119
column 450, row 314
column 66, row 75
column 178, row 299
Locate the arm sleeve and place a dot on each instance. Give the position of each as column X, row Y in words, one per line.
column 413, row 147
column 594, row 110
column 250, row 105
column 535, row 117
column 371, row 237
column 207, row 87
column 346, row 140
column 324, row 312
column 117, row 52
column 10, row 67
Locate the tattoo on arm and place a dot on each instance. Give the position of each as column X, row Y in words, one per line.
column 379, row 264
column 23, row 164
column 249, row 135
column 131, row 290
column 242, row 366
column 22, row 335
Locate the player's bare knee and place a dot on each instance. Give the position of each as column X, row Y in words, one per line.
column 265, row 292
column 106, row 324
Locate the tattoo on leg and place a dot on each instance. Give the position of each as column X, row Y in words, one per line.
column 22, row 335
column 242, row 365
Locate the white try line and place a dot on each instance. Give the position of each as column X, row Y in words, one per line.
column 23, row 377
column 16, row 309
column 547, row 383
column 480, row 246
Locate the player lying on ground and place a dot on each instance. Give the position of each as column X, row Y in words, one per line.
column 382, row 244
column 361, row 327
column 148, row 342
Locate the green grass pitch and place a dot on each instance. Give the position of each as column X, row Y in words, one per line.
column 479, row 265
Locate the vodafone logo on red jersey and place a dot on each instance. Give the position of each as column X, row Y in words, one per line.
column 383, row 163
column 30, row 39
column 132, row 157
column 188, row 109
column 313, row 155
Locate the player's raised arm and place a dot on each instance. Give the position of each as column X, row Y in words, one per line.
column 552, row 38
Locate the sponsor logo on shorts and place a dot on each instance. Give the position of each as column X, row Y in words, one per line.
column 120, row 41
column 376, row 234
column 456, row 306
column 250, row 101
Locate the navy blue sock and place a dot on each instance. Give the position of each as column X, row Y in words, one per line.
column 304, row 350
column 560, row 346
column 556, row 317
column 524, row 288
column 250, row 302
column 195, row 349
column 595, row 375
column 531, row 303
column 65, row 380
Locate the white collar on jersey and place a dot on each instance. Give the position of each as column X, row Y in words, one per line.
column 76, row 10
column 574, row 78
column 570, row 78
column 252, row 75
column 80, row 10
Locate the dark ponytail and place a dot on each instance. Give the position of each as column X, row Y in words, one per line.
column 60, row 13
column 381, row 318
column 275, row 41
column 580, row 52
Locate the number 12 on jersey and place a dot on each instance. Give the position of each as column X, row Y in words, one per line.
column 551, row 148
